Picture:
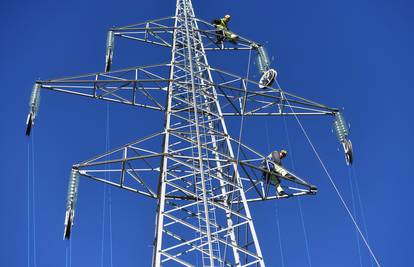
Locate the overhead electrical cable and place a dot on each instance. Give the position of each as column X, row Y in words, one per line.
column 333, row 184
column 103, row 225
column 28, row 204
column 242, row 107
column 299, row 202
column 34, row 202
column 282, row 258
column 31, row 204
column 66, row 256
column 355, row 214
column 107, row 199
column 68, row 253
column 361, row 207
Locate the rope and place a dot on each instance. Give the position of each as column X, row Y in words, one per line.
column 34, row 202
column 28, row 204
column 298, row 199
column 109, row 188
column 68, row 253
column 110, row 227
column 334, row 185
column 240, row 136
column 31, row 209
column 105, row 200
column 243, row 105
column 361, row 208
column 103, row 224
column 282, row 258
column 66, row 256
column 354, row 209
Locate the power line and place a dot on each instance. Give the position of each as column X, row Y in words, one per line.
column 361, row 207
column 34, row 202
column 299, row 202
column 336, row 188
column 355, row 214
column 28, row 204
column 31, row 204
column 282, row 258
column 107, row 197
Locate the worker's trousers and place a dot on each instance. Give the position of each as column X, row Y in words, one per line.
column 276, row 181
column 226, row 33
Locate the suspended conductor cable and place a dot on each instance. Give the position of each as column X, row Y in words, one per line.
column 282, row 258
column 109, row 188
column 66, row 256
column 110, row 227
column 361, row 208
column 337, row 191
column 355, row 214
column 103, row 226
column 28, row 204
column 34, row 202
column 105, row 200
column 333, row 184
column 68, row 251
column 302, row 220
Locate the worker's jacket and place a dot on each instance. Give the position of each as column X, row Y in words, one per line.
column 273, row 163
column 275, row 157
column 221, row 24
column 268, row 162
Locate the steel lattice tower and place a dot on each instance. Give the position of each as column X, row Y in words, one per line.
column 206, row 177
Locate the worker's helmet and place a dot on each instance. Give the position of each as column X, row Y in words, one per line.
column 227, row 17
column 283, row 152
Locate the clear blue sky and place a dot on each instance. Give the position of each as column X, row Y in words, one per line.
column 351, row 54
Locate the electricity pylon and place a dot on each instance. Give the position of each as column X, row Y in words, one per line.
column 202, row 177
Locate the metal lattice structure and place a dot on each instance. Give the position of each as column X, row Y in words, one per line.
column 206, row 177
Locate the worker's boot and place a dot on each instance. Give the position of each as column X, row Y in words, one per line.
column 280, row 191
column 313, row 189
column 219, row 37
column 233, row 38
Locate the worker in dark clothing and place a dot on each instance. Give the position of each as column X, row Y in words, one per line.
column 272, row 163
column 223, row 30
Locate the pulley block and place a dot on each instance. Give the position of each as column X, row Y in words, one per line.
column 267, row 78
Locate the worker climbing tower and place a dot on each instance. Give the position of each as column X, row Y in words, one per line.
column 202, row 178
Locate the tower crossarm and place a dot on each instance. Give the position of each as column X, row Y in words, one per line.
column 240, row 96
column 160, row 32
column 135, row 167
column 140, row 86
column 157, row 31
column 209, row 34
